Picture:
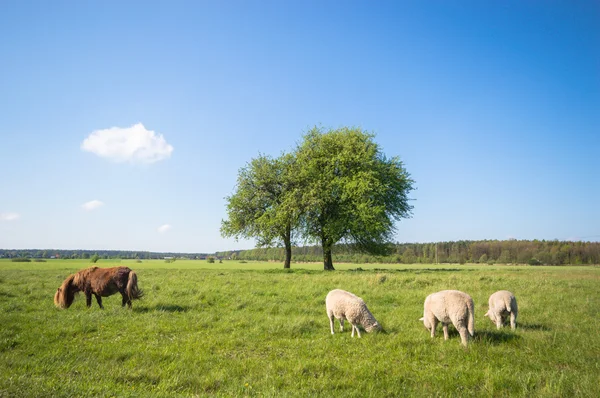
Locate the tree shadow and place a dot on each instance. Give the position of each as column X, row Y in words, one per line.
column 495, row 336
column 162, row 308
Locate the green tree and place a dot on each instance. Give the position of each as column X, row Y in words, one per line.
column 349, row 191
column 262, row 206
column 408, row 257
column 94, row 258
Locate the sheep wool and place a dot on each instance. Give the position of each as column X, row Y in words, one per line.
column 503, row 304
column 450, row 306
column 345, row 305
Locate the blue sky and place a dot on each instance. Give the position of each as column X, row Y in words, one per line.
column 494, row 107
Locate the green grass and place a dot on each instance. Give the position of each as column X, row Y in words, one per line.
column 235, row 329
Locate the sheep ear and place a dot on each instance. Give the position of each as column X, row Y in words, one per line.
column 422, row 319
column 487, row 313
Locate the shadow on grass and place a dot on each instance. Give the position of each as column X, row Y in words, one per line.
column 495, row 337
column 533, row 326
column 414, row 271
column 162, row 308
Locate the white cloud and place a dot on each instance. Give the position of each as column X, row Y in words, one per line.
column 92, row 205
column 164, row 228
column 9, row 216
column 134, row 144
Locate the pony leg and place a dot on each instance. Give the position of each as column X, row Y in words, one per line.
column 125, row 300
column 88, row 299
column 99, row 300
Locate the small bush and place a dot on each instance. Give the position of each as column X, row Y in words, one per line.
column 210, row 260
column 138, row 261
column 39, row 260
column 534, row 261
column 243, row 262
column 20, row 260
column 94, row 259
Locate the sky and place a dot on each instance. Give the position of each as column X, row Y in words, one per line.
column 123, row 125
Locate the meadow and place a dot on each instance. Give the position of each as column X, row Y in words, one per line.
column 255, row 329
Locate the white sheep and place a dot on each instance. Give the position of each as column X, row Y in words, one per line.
column 450, row 306
column 502, row 304
column 345, row 305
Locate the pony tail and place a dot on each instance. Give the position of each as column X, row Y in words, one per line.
column 64, row 296
column 133, row 292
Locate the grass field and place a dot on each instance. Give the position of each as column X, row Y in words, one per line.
column 253, row 329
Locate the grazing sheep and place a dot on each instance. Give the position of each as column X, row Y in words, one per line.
column 502, row 304
column 345, row 305
column 450, row 306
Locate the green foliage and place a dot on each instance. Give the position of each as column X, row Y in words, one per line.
column 483, row 252
column 20, row 260
column 534, row 261
column 224, row 332
column 210, row 260
column 349, row 191
column 94, row 259
column 262, row 206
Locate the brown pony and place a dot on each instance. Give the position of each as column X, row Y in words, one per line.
column 101, row 282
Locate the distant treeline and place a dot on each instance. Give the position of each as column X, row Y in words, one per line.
column 533, row 252
column 103, row 254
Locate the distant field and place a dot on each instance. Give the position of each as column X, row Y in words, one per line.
column 236, row 329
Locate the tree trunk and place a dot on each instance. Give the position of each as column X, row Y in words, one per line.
column 288, row 251
column 327, row 262
column 287, row 239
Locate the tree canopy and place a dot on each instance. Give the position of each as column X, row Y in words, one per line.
column 262, row 206
column 349, row 191
column 336, row 186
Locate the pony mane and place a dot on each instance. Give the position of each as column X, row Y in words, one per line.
column 64, row 296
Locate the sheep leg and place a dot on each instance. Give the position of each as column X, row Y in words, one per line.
column 331, row 323
column 499, row 321
column 433, row 322
column 342, row 325
column 513, row 320
column 464, row 335
column 354, row 327
column 445, row 327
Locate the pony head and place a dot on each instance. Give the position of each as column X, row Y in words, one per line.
column 64, row 296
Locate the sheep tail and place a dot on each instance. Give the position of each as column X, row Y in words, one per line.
column 471, row 309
